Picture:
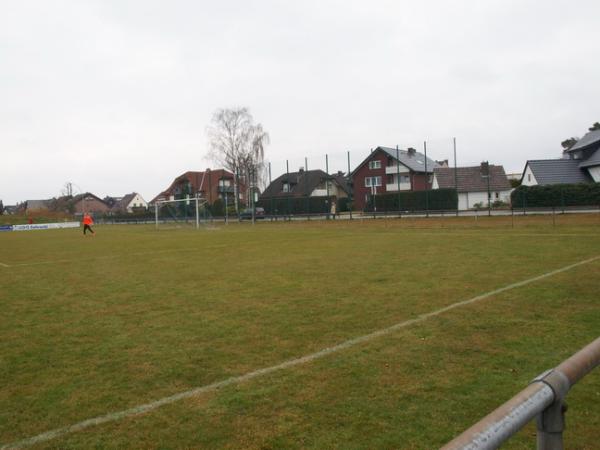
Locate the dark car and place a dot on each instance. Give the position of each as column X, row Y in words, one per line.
column 259, row 213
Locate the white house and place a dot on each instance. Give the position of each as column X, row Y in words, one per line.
column 475, row 185
column 579, row 164
column 130, row 201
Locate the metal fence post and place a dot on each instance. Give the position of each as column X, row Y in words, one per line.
column 550, row 427
column 350, row 188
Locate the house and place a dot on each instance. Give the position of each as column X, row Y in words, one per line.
column 89, row 203
column 127, row 204
column 473, row 184
column 307, row 183
column 553, row 171
column 37, row 205
column 210, row 185
column 11, row 209
column 580, row 164
column 390, row 170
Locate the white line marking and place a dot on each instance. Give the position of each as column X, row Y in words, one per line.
column 4, row 265
column 141, row 409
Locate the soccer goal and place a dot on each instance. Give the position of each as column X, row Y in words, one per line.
column 191, row 211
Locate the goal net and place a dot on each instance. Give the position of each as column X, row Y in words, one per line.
column 187, row 212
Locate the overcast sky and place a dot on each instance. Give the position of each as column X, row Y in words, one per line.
column 115, row 96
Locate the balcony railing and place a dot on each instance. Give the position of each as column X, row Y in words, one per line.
column 391, row 170
column 393, row 187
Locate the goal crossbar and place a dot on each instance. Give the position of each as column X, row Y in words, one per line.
column 197, row 200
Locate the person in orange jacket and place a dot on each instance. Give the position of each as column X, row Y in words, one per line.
column 87, row 223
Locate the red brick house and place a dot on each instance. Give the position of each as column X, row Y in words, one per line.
column 388, row 170
column 210, row 185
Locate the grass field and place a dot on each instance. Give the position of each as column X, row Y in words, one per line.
column 92, row 326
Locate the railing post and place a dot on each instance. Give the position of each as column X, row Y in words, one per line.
column 550, row 427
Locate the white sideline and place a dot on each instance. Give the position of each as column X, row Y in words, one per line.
column 4, row 265
column 110, row 417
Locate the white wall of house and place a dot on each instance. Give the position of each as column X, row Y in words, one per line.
column 137, row 202
column 529, row 178
column 334, row 191
column 595, row 173
column 467, row 200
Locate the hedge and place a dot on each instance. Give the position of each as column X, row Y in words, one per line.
column 556, row 195
column 301, row 205
column 436, row 199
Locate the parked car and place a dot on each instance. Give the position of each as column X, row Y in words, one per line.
column 259, row 213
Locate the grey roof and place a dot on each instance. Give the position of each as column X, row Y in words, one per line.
column 301, row 183
column 414, row 161
column 470, row 179
column 593, row 160
column 593, row 137
column 557, row 171
column 123, row 202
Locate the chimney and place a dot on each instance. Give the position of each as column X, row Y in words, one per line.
column 411, row 151
column 485, row 169
column 340, row 173
column 301, row 170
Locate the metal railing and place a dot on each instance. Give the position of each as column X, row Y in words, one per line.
column 543, row 399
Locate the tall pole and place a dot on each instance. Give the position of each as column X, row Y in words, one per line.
column 156, row 213
column 251, row 175
column 488, row 189
column 327, row 184
column 455, row 176
column 306, row 187
column 349, row 186
column 426, row 181
column 226, row 206
column 287, row 171
column 398, row 177
column 271, row 213
column 197, row 213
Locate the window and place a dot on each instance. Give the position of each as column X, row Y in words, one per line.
column 528, row 177
column 286, row 187
column 404, row 179
column 376, row 164
column 497, row 195
column 390, row 179
column 372, row 181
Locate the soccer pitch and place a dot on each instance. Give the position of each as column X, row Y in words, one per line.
column 291, row 335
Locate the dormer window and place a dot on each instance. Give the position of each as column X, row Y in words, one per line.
column 285, row 187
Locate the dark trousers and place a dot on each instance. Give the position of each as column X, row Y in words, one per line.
column 87, row 227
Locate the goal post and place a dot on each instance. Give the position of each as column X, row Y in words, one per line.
column 179, row 211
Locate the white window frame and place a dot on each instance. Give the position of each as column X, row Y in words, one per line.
column 375, row 164
column 373, row 181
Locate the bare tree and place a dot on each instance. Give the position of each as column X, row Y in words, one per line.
column 238, row 144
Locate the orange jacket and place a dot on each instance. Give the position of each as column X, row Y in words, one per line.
column 87, row 220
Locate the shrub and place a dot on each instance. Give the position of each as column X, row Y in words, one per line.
column 437, row 199
column 582, row 194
